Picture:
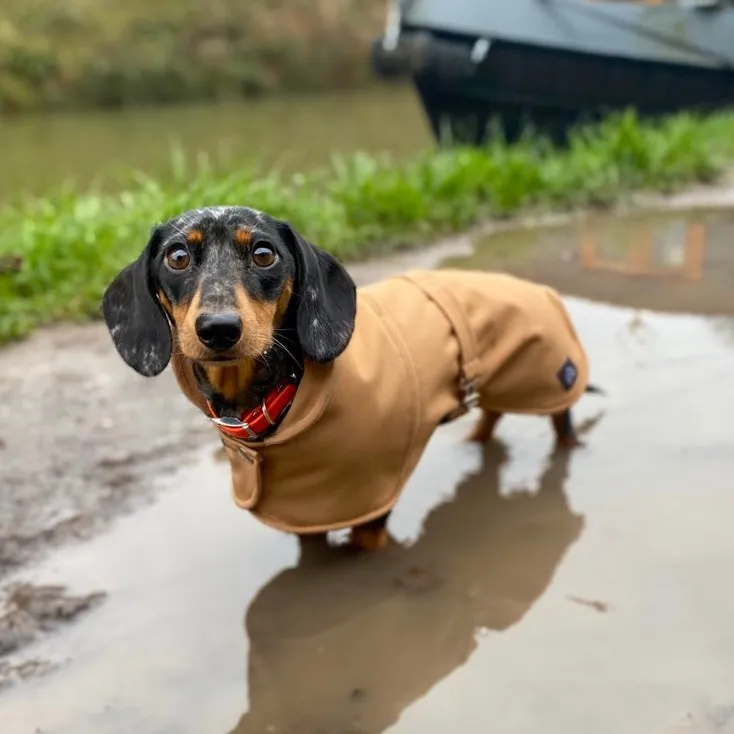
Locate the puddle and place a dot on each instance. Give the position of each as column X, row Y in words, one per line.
column 523, row 591
column 678, row 262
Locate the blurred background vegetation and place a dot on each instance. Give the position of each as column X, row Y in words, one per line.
column 107, row 53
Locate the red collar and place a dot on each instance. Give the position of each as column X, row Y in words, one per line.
column 252, row 424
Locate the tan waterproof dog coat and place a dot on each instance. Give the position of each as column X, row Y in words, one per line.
column 426, row 346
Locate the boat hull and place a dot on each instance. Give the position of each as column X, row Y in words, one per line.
column 466, row 81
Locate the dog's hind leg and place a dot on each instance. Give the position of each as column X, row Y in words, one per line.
column 563, row 427
column 371, row 536
column 483, row 431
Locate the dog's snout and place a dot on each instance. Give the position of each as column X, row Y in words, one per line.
column 219, row 331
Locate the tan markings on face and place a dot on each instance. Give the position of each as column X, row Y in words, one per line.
column 243, row 236
column 259, row 319
column 258, row 322
column 179, row 312
column 184, row 316
column 163, row 298
column 231, row 381
column 282, row 304
column 195, row 237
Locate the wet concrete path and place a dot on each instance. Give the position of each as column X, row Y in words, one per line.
column 524, row 591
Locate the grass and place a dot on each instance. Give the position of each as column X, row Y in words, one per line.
column 58, row 254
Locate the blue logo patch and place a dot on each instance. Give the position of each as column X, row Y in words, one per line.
column 567, row 375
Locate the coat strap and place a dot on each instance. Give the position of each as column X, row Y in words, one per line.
column 449, row 305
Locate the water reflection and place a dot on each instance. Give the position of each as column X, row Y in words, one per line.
column 676, row 262
column 343, row 644
column 667, row 249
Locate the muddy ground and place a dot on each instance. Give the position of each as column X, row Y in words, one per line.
column 85, row 441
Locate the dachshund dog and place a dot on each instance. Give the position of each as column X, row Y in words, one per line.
column 324, row 394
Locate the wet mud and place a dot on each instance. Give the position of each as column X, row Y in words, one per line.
column 32, row 610
column 523, row 589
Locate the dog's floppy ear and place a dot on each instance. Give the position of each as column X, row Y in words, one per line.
column 136, row 320
column 326, row 299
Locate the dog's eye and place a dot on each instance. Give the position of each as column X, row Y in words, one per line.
column 263, row 256
column 177, row 258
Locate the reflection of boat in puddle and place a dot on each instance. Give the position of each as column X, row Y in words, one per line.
column 648, row 249
column 673, row 250
column 678, row 262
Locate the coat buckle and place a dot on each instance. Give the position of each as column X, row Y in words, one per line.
column 469, row 393
column 469, row 400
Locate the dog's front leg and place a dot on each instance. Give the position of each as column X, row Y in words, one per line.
column 371, row 536
column 483, row 431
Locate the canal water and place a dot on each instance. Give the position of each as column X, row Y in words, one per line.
column 291, row 132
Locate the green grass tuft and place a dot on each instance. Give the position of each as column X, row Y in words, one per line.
column 58, row 254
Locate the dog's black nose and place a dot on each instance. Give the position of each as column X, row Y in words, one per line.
column 219, row 331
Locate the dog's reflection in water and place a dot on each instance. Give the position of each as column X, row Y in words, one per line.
column 344, row 644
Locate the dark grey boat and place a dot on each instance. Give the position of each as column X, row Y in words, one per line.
column 554, row 63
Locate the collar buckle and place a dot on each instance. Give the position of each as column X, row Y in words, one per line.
column 233, row 424
column 252, row 425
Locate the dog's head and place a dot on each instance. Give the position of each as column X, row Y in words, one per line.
column 225, row 278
